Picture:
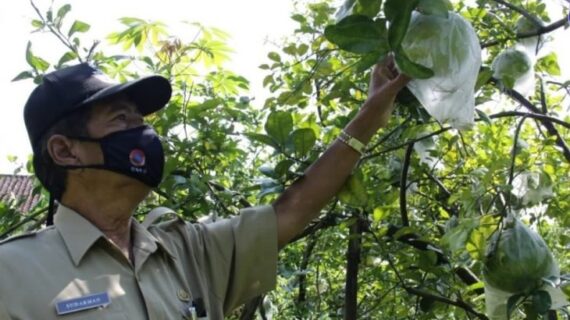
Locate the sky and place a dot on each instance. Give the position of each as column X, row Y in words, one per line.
column 254, row 26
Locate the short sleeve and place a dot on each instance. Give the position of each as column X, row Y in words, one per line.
column 241, row 255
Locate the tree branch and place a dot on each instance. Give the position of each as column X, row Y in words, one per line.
column 388, row 135
column 56, row 32
column 514, row 151
column 546, row 123
column 530, row 115
column 352, row 266
column 311, row 242
column 381, row 152
column 457, row 303
column 404, row 185
column 522, row 11
column 540, row 31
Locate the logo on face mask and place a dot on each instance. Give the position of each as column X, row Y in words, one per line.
column 137, row 158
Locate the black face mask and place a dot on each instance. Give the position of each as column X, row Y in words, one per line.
column 136, row 153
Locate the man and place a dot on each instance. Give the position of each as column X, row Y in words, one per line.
column 94, row 154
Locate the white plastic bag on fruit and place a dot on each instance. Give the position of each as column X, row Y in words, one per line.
column 515, row 68
column 517, row 262
column 496, row 301
column 450, row 47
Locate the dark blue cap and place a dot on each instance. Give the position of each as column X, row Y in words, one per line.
column 69, row 89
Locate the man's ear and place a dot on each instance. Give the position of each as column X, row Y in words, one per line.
column 62, row 150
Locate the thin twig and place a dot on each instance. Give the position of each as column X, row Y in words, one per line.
column 522, row 11
column 56, row 32
column 23, row 222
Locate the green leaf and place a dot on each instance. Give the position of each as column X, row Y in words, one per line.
column 369, row 8
column 475, row 245
column 37, row 24
column 549, row 64
column 37, row 63
column 434, row 7
column 358, row 34
column 303, row 141
column 399, row 22
column 279, row 125
column 483, row 116
column 411, row 68
column 380, row 213
column 456, row 237
column 353, row 192
column 302, row 49
column 485, row 74
column 68, row 56
column 512, row 303
column 283, row 167
column 391, row 8
column 367, row 61
column 78, row 26
column 541, row 302
column 63, row 11
column 274, row 56
column 29, row 54
column 23, row 75
column 267, row 170
column 508, row 81
column 264, row 139
column 269, row 186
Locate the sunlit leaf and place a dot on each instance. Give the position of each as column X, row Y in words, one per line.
column 78, row 26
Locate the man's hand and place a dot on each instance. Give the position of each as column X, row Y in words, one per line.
column 304, row 200
column 385, row 83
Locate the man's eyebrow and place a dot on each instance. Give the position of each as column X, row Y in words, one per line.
column 122, row 105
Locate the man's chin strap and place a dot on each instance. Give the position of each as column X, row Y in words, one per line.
column 51, row 210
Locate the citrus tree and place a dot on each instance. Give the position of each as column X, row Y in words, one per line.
column 412, row 233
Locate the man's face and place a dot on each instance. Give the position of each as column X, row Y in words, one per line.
column 112, row 116
column 107, row 117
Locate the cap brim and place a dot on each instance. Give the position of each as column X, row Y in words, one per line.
column 150, row 94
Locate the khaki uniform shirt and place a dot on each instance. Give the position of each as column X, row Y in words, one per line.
column 221, row 265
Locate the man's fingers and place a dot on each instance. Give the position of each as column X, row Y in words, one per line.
column 400, row 82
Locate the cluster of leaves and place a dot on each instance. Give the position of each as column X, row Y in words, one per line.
column 412, row 224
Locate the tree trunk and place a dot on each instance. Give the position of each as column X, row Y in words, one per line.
column 352, row 265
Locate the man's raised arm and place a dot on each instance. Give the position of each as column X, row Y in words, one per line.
column 304, row 200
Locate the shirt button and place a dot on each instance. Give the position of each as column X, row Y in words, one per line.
column 183, row 295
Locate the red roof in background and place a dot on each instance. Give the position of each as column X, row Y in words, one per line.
column 19, row 187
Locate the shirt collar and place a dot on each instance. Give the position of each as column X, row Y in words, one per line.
column 79, row 234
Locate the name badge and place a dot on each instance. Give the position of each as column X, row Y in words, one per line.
column 83, row 303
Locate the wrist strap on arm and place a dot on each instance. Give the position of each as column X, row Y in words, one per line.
column 352, row 142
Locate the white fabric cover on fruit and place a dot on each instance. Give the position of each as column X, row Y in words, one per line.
column 450, row 47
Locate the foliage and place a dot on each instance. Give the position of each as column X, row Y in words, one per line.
column 419, row 211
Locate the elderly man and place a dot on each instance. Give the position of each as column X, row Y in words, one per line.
column 96, row 156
